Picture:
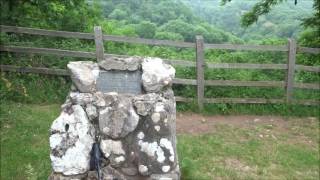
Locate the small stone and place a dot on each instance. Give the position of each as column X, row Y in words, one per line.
column 59, row 176
column 98, row 99
column 246, row 168
column 155, row 117
column 159, row 107
column 91, row 111
column 152, row 150
column 168, row 176
column 110, row 147
column 256, row 120
column 130, row 171
column 110, row 173
column 143, row 169
column 120, row 159
column 140, row 135
column 157, row 128
column 81, row 98
column 144, row 103
column 165, row 169
column 84, row 75
column 73, row 88
column 165, row 121
column 67, row 104
column 203, row 120
column 119, row 119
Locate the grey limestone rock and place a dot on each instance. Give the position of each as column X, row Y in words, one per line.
column 113, row 150
column 91, row 111
column 84, row 75
column 119, row 63
column 59, row 176
column 144, row 103
column 156, row 74
column 156, row 139
column 81, row 98
column 71, row 140
column 129, row 171
column 119, row 118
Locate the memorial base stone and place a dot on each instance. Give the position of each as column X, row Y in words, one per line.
column 124, row 106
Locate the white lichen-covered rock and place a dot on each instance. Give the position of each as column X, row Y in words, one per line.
column 156, row 74
column 91, row 111
column 144, row 103
column 118, row 119
column 113, row 150
column 71, row 140
column 84, row 75
column 98, row 99
column 119, row 63
column 81, row 98
column 155, row 140
column 153, row 150
column 109, row 147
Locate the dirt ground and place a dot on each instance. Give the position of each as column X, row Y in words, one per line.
column 190, row 123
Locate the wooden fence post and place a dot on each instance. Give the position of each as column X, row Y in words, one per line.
column 292, row 50
column 200, row 70
column 98, row 39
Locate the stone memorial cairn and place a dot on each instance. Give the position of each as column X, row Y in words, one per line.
column 127, row 107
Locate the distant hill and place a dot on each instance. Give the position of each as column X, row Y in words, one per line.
column 283, row 21
column 165, row 19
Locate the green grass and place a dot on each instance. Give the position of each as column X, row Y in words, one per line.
column 234, row 153
column 24, row 140
column 228, row 153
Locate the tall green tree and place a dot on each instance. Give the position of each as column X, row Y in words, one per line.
column 72, row 15
column 264, row 6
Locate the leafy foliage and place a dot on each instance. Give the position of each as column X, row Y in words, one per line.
column 168, row 19
column 281, row 20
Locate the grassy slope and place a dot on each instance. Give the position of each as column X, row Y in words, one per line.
column 229, row 153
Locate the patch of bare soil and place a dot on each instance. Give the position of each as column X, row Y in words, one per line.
column 191, row 123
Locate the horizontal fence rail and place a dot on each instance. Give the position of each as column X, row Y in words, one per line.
column 81, row 35
column 246, row 47
column 183, row 63
column 245, row 66
column 148, row 41
column 309, row 50
column 200, row 64
column 64, row 72
column 48, row 51
column 43, row 32
column 180, row 81
column 37, row 70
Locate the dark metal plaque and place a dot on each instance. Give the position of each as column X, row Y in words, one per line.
column 125, row 82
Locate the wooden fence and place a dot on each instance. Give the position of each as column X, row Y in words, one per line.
column 288, row 84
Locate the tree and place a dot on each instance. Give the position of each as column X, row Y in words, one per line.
column 118, row 14
column 146, row 29
column 264, row 7
column 72, row 15
column 169, row 36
